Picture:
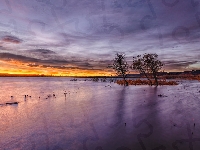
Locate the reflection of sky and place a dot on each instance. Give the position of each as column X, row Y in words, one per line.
column 83, row 36
column 94, row 115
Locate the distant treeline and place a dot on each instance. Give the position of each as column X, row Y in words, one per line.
column 186, row 77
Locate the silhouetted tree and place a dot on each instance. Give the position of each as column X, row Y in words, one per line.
column 148, row 64
column 139, row 65
column 153, row 65
column 121, row 66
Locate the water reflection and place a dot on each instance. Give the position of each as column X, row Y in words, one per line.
column 93, row 117
column 119, row 110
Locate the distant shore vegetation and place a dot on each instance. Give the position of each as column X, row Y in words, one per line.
column 146, row 82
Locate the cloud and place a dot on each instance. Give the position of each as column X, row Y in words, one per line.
column 41, row 51
column 11, row 39
column 75, row 63
column 2, row 48
column 32, row 65
column 179, row 65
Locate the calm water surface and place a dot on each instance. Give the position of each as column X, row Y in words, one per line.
column 92, row 116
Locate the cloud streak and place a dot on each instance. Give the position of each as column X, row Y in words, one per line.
column 11, row 39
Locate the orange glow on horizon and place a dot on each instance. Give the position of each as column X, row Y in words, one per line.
column 17, row 67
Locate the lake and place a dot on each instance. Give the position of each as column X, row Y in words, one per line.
column 97, row 115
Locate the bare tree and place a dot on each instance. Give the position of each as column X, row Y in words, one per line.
column 138, row 64
column 148, row 64
column 153, row 65
column 121, row 66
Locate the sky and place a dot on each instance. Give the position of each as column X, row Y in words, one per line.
column 82, row 37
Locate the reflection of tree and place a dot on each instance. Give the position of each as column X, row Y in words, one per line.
column 119, row 109
column 150, row 108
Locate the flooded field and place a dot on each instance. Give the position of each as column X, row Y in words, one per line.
column 59, row 114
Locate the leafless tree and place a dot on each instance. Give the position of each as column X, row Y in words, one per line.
column 148, row 64
column 139, row 65
column 153, row 65
column 121, row 66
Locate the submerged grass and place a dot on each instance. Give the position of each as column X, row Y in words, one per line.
column 146, row 82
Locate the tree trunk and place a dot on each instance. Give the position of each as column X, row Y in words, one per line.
column 148, row 78
column 126, row 83
column 155, row 77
